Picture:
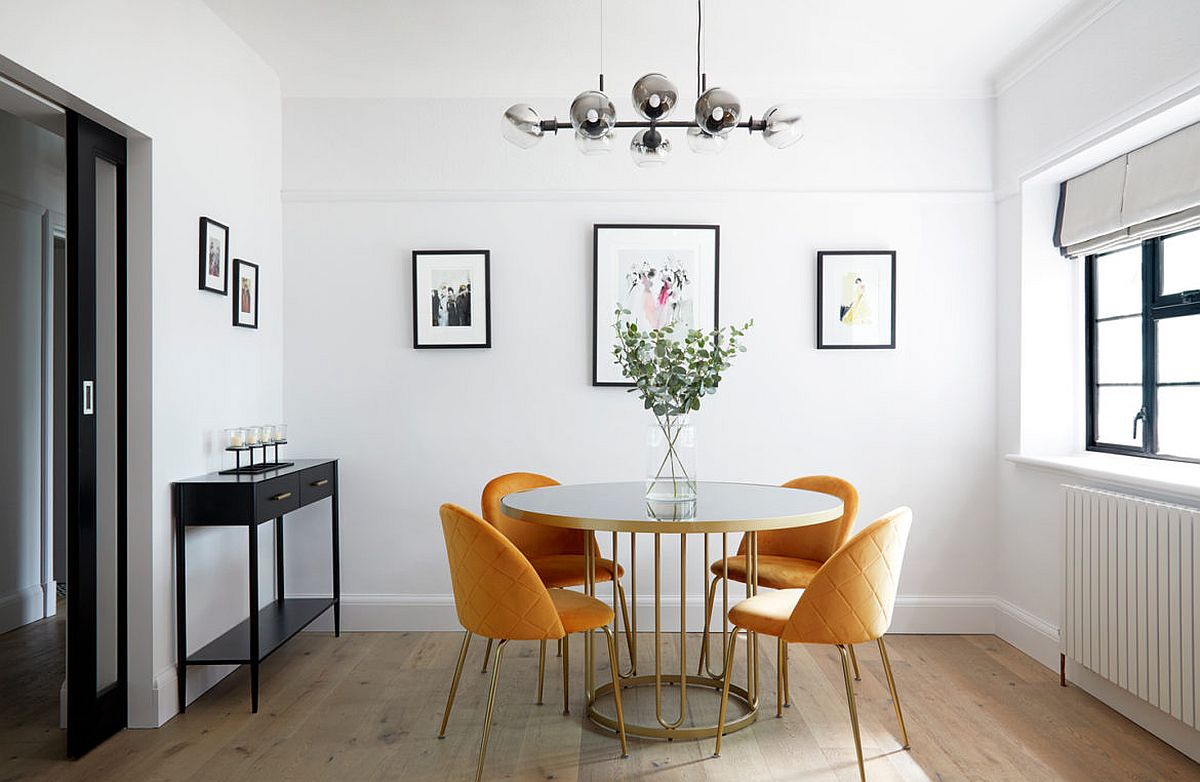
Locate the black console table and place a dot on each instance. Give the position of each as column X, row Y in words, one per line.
column 247, row 501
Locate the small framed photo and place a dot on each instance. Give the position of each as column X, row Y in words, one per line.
column 245, row 296
column 452, row 299
column 856, row 299
column 663, row 274
column 214, row 256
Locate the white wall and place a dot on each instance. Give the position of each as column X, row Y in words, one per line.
column 203, row 113
column 366, row 182
column 1124, row 80
column 32, row 181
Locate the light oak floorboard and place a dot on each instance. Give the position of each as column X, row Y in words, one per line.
column 367, row 707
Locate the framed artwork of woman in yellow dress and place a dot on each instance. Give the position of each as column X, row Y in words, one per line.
column 856, row 299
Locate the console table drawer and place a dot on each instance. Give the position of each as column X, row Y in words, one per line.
column 316, row 483
column 276, row 497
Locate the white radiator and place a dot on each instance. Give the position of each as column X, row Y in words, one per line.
column 1133, row 597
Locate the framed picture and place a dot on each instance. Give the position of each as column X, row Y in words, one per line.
column 662, row 274
column 452, row 299
column 214, row 256
column 245, row 296
column 856, row 299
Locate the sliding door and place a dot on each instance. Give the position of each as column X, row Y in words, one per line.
column 96, row 503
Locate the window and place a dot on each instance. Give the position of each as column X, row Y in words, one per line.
column 1143, row 349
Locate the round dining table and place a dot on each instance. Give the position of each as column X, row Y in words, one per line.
column 717, row 509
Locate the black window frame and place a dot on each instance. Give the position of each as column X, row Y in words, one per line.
column 1155, row 307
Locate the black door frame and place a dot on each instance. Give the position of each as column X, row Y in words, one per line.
column 92, row 716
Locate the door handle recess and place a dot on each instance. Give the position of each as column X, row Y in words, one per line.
column 282, row 496
column 89, row 397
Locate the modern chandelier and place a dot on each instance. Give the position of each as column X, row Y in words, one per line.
column 594, row 116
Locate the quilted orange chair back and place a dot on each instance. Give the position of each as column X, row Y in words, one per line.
column 534, row 540
column 817, row 541
column 850, row 599
column 497, row 593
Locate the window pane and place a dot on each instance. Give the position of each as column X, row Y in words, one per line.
column 1179, row 350
column 1179, row 421
column 1115, row 408
column 1119, row 351
column 1181, row 263
column 1119, row 283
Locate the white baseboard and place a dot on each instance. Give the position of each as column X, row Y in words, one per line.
column 21, row 607
column 970, row 614
column 1031, row 634
column 49, row 598
column 165, row 693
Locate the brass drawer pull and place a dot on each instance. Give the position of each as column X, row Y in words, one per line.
column 319, row 483
column 282, row 496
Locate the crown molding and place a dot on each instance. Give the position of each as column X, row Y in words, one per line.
column 1057, row 32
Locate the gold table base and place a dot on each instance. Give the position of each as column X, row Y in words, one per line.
column 682, row 733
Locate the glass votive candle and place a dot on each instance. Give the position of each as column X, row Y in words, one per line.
column 253, row 435
column 281, row 433
column 235, row 438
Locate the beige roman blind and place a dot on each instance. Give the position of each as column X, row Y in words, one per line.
column 1150, row 191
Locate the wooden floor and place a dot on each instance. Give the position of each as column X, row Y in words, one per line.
column 367, row 706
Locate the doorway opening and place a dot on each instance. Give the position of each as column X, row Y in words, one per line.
column 63, row 482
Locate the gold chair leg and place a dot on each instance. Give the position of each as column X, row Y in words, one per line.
column 853, row 662
column 780, row 662
column 541, row 670
column 628, row 630
column 616, row 678
column 733, row 634
column 566, row 658
column 709, row 601
column 862, row 772
column 486, row 654
column 787, row 684
column 887, row 669
column 487, row 714
column 462, row 657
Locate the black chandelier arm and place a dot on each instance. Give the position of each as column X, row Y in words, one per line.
column 553, row 126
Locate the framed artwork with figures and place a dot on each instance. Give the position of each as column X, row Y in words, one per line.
column 245, row 294
column 214, row 256
column 452, row 299
column 662, row 274
column 856, row 299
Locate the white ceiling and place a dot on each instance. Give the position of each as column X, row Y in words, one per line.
column 527, row 48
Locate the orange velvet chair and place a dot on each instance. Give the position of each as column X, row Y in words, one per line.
column 499, row 595
column 789, row 558
column 848, row 601
column 556, row 554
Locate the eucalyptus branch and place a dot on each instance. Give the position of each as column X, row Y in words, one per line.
column 673, row 372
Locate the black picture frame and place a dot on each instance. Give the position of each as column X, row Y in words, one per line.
column 822, row 337
column 597, row 228
column 423, row 337
column 208, row 224
column 237, row 297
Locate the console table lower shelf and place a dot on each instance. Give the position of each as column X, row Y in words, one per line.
column 278, row 621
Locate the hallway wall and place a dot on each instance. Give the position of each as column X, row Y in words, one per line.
column 32, row 180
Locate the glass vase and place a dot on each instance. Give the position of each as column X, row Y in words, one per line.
column 671, row 460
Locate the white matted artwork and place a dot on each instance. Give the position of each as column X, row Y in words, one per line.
column 451, row 299
column 663, row 274
column 856, row 299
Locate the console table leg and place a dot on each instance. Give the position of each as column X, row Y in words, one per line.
column 337, row 566
column 181, row 616
column 253, row 540
column 279, row 558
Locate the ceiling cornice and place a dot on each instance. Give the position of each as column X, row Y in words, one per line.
column 1057, row 32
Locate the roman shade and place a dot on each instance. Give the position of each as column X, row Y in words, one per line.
column 1150, row 191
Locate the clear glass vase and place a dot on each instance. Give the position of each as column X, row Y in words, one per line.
column 671, row 460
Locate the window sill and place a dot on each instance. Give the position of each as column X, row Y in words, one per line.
column 1179, row 479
